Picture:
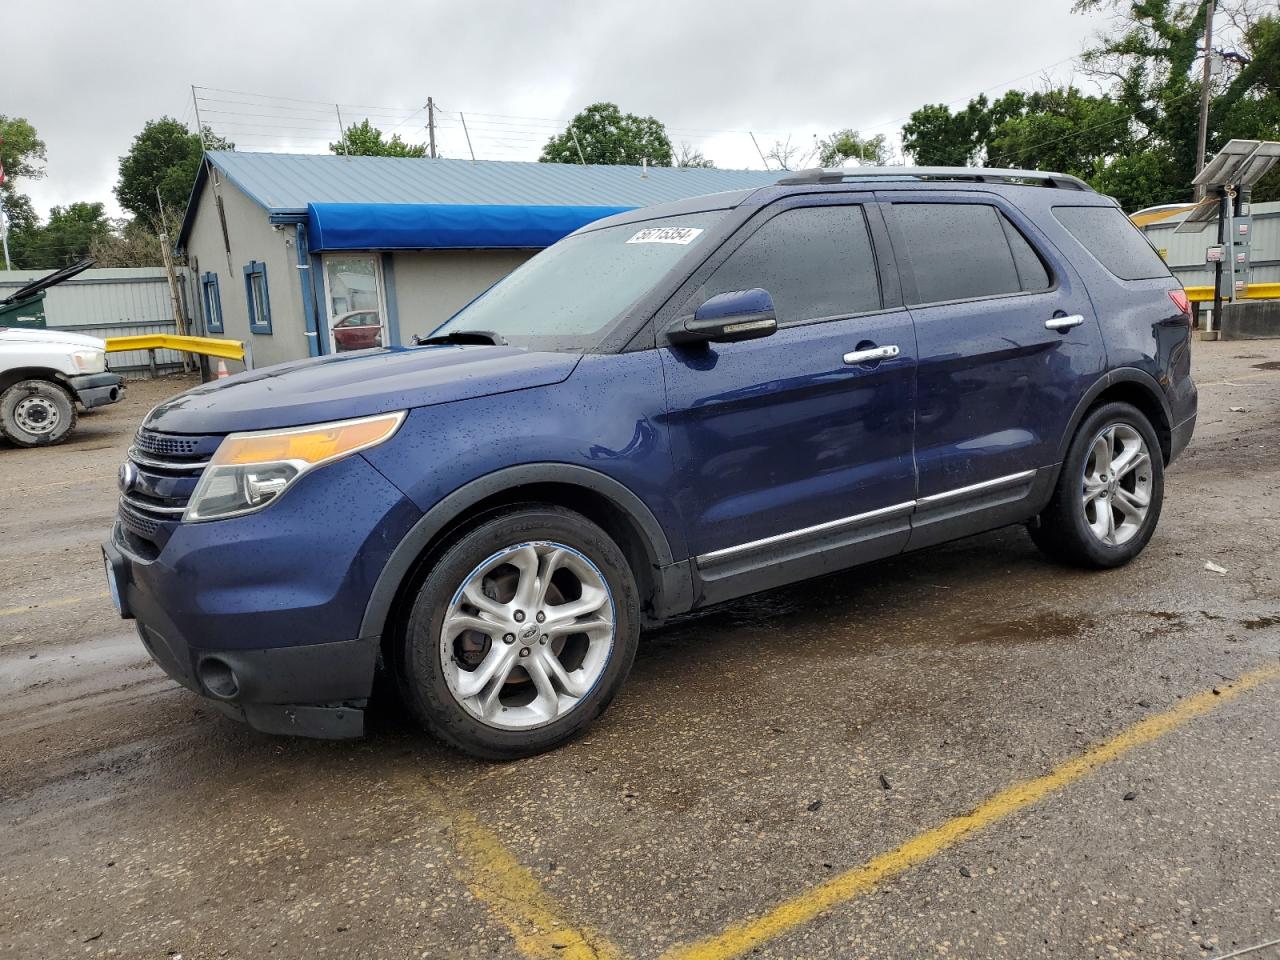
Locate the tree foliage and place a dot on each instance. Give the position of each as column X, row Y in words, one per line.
column 845, row 145
column 127, row 243
column 365, row 140
column 688, row 156
column 164, row 156
column 63, row 240
column 1137, row 140
column 606, row 135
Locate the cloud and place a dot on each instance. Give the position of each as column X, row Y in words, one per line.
column 89, row 75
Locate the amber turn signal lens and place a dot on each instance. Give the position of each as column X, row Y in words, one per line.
column 310, row 445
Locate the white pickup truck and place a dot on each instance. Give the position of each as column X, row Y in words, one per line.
column 43, row 374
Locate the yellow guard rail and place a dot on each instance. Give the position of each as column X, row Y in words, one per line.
column 209, row 346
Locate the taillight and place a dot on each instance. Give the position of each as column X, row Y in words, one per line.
column 1180, row 300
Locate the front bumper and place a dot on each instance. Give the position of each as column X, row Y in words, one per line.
column 262, row 614
column 97, row 389
column 310, row 690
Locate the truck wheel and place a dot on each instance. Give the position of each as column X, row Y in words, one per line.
column 1109, row 493
column 520, row 634
column 36, row 413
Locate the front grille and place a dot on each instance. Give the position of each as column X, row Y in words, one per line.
column 164, row 474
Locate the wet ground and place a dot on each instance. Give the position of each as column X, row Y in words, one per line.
column 886, row 763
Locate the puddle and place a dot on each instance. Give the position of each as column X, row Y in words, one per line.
column 1260, row 623
column 1269, row 365
column 1045, row 626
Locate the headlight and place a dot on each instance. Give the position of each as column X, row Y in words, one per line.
column 251, row 470
column 89, row 361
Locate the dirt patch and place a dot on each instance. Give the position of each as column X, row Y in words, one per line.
column 1260, row 623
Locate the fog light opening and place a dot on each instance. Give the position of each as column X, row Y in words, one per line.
column 218, row 678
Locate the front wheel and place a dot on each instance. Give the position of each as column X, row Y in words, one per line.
column 36, row 413
column 521, row 633
column 1109, row 493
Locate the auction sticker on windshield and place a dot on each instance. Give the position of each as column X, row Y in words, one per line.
column 681, row 235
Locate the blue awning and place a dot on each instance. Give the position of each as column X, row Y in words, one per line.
column 442, row 226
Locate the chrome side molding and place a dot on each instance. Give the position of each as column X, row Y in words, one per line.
column 859, row 519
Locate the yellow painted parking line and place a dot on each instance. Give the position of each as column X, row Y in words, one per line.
column 50, row 604
column 741, row 937
column 513, row 895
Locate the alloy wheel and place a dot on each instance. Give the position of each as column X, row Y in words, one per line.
column 527, row 635
column 1116, row 494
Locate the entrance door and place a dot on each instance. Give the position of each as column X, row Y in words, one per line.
column 357, row 316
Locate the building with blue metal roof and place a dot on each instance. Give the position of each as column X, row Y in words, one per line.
column 302, row 255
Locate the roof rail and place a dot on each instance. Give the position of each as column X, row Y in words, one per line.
column 1061, row 181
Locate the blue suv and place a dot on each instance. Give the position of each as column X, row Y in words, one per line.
column 669, row 408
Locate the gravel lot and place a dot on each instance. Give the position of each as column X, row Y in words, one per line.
column 807, row 757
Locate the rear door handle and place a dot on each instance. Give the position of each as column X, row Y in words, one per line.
column 1064, row 323
column 872, row 354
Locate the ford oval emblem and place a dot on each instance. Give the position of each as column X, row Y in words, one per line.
column 128, row 476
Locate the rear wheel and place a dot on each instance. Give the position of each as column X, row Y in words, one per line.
column 36, row 413
column 521, row 633
column 1109, row 493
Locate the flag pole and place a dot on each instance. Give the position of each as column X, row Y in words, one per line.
column 4, row 232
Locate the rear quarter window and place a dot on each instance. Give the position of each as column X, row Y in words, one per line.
column 1114, row 241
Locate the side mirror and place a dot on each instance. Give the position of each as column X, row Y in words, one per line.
column 728, row 318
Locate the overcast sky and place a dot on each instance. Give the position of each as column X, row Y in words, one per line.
column 89, row 74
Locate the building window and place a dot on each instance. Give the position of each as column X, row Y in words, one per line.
column 255, row 292
column 212, row 303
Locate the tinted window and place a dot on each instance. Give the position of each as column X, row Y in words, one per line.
column 959, row 251
column 814, row 261
column 1113, row 239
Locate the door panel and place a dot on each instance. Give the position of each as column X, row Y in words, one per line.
column 996, row 387
column 786, row 456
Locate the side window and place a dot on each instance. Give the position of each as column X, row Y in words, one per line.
column 961, row 251
column 1114, row 241
column 814, row 261
column 255, row 292
column 212, row 303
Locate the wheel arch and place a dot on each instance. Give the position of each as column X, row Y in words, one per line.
column 662, row 582
column 1127, row 385
column 9, row 377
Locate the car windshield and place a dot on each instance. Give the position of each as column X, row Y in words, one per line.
column 565, row 297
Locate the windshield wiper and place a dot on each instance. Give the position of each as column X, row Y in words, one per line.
column 488, row 337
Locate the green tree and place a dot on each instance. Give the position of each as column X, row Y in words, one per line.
column 127, row 243
column 936, row 137
column 846, row 144
column 365, row 140
column 22, row 153
column 606, row 135
column 164, row 156
column 65, row 239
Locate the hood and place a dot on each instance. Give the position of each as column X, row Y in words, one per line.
column 51, row 338
column 357, row 384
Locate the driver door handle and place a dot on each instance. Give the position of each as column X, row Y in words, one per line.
column 872, row 354
column 1064, row 323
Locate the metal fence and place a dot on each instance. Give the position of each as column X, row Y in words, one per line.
column 114, row 302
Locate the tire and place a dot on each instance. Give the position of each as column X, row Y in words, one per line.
column 1074, row 529
column 442, row 675
column 36, row 413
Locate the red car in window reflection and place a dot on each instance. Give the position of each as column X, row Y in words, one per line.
column 358, row 330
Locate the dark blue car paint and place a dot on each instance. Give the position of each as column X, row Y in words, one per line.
column 697, row 448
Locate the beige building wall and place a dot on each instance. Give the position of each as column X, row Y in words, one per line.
column 432, row 285
column 251, row 237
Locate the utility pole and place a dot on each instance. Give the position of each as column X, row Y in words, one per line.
column 195, row 101
column 179, row 324
column 581, row 155
column 1204, row 92
column 758, row 150
column 470, row 149
column 342, row 131
column 431, row 127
